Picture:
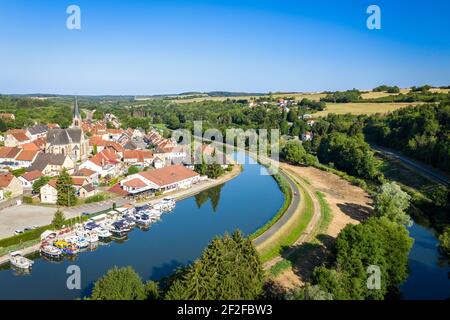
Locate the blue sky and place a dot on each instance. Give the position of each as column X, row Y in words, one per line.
column 170, row 46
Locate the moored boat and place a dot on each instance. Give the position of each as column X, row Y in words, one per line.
column 17, row 260
column 50, row 251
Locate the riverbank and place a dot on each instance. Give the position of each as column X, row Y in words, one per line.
column 177, row 195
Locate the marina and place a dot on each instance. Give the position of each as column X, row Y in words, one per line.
column 172, row 239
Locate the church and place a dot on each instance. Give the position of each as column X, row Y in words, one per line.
column 71, row 141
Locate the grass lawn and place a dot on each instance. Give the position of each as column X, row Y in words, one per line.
column 287, row 236
column 325, row 219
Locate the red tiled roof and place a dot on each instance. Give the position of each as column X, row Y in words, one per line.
column 78, row 181
column 169, row 175
column 135, row 183
column 32, row 175
column 85, row 172
column 30, row 146
column 9, row 152
column 105, row 157
column 140, row 155
column 5, row 179
column 117, row 189
column 20, row 136
column 52, row 183
column 27, row 155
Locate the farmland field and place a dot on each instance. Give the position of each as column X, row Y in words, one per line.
column 363, row 108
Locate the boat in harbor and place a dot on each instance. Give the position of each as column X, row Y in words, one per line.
column 50, row 251
column 120, row 229
column 143, row 219
column 17, row 260
column 103, row 234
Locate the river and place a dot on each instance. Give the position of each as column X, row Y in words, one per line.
column 247, row 202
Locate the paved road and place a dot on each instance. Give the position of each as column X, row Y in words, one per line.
column 293, row 207
column 421, row 168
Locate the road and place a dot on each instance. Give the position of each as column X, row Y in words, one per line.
column 293, row 207
column 417, row 166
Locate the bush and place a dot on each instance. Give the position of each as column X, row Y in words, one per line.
column 27, row 199
column 95, row 198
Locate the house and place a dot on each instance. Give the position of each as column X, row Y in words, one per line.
column 87, row 173
column 26, row 157
column 87, row 190
column 97, row 142
column 28, row 178
column 166, row 179
column 16, row 137
column 52, row 164
column 159, row 162
column 171, row 153
column 8, row 157
column 105, row 163
column 10, row 186
column 78, row 182
column 37, row 131
column 310, row 122
column 307, row 136
column 49, row 193
column 138, row 157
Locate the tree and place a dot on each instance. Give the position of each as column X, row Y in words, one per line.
column 309, row 292
column 66, row 191
column 39, row 183
column 294, row 152
column 350, row 154
column 292, row 116
column 94, row 149
column 229, row 268
column 440, row 196
column 214, row 170
column 201, row 168
column 132, row 170
column 152, row 290
column 444, row 241
column 392, row 202
column 376, row 242
column 58, row 219
column 120, row 284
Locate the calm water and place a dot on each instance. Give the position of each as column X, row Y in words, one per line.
column 429, row 276
column 246, row 202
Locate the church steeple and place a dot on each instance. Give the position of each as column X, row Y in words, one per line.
column 76, row 121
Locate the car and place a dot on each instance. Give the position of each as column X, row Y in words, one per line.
column 18, row 232
column 85, row 214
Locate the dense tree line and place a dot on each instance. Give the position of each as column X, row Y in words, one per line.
column 229, row 268
column 421, row 132
column 388, row 89
column 343, row 96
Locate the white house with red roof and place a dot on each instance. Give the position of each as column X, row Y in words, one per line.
column 106, row 164
column 28, row 178
column 138, row 157
column 166, row 179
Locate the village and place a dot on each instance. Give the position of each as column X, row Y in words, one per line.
column 95, row 154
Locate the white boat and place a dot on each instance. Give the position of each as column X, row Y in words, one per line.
column 50, row 251
column 103, row 234
column 17, row 260
column 91, row 236
column 82, row 243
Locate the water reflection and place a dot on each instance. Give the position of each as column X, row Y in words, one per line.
column 212, row 194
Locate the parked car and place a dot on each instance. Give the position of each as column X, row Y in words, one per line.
column 18, row 232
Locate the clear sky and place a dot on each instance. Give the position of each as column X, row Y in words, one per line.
column 169, row 46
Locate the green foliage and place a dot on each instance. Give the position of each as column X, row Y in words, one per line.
column 58, row 219
column 377, row 242
column 94, row 149
column 152, row 290
column 96, row 198
column 228, row 269
column 120, row 284
column 350, row 154
column 27, row 199
column 440, row 196
column 18, row 172
column 387, row 89
column 39, row 183
column 444, row 241
column 66, row 191
column 313, row 105
column 132, row 170
column 343, row 96
column 294, row 152
column 309, row 292
column 420, row 132
column 392, row 202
